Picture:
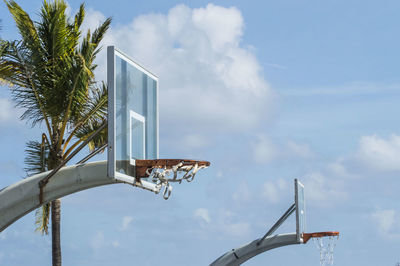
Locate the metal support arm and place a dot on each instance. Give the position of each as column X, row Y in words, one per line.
column 265, row 243
column 23, row 197
column 278, row 223
column 239, row 255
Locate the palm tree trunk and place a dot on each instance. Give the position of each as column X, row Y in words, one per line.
column 55, row 231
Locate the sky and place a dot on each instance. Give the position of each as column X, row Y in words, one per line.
column 267, row 91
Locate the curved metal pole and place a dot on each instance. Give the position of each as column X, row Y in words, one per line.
column 23, row 197
column 239, row 255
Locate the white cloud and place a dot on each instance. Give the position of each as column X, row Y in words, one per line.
column 242, row 195
column 202, row 214
column 97, row 241
column 194, row 141
column 126, row 221
column 380, row 154
column 7, row 112
column 219, row 174
column 272, row 191
column 385, row 219
column 93, row 19
column 73, row 246
column 321, row 190
column 388, row 223
column 223, row 26
column 237, row 229
column 298, row 150
column 349, row 89
column 264, row 150
column 338, row 168
column 3, row 235
column 115, row 244
column 208, row 78
column 227, row 223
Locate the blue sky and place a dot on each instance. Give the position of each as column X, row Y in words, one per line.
column 268, row 91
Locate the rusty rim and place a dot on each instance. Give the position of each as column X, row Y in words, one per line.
column 307, row 236
column 143, row 165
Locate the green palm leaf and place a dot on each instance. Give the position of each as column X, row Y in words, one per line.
column 36, row 161
column 36, row 157
column 42, row 216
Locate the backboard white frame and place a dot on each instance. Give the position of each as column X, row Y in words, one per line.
column 112, row 52
column 300, row 205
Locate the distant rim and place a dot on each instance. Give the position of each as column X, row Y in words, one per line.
column 307, row 236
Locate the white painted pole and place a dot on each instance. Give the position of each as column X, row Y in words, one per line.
column 23, row 197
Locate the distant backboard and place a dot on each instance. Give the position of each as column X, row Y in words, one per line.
column 300, row 210
column 132, row 116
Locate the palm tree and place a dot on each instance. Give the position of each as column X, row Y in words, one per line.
column 51, row 72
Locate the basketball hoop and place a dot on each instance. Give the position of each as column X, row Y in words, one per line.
column 164, row 171
column 326, row 248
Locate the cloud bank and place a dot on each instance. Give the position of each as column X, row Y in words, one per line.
column 379, row 153
column 266, row 150
column 208, row 78
column 388, row 223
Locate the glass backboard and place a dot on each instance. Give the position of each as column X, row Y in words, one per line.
column 132, row 116
column 300, row 210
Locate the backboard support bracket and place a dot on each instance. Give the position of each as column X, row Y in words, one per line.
column 278, row 223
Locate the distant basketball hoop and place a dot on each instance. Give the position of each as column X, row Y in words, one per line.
column 239, row 255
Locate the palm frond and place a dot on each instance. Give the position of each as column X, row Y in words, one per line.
column 88, row 129
column 25, row 25
column 36, row 157
column 6, row 70
column 99, row 33
column 78, row 95
column 90, row 45
column 84, row 132
column 36, row 161
column 10, row 63
column 94, row 110
column 79, row 17
column 22, row 72
column 57, row 38
column 42, row 217
column 77, row 109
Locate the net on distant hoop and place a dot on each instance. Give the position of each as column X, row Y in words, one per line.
column 326, row 243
